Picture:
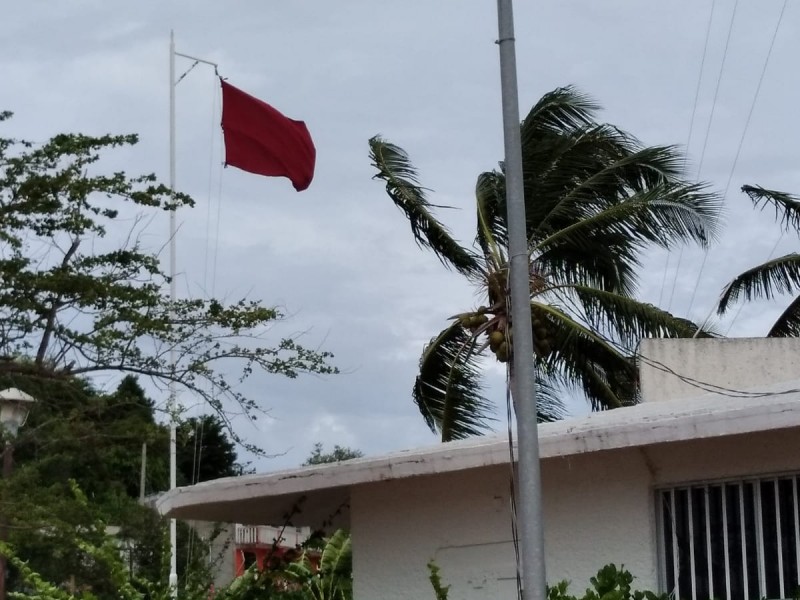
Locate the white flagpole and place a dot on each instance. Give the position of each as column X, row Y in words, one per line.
column 524, row 382
column 173, row 295
column 173, row 435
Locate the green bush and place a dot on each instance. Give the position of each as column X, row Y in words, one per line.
column 610, row 583
column 298, row 580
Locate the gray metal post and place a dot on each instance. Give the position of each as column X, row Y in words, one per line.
column 8, row 465
column 523, row 382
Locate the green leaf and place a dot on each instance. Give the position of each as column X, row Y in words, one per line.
column 787, row 206
column 788, row 324
column 776, row 276
column 403, row 188
column 448, row 390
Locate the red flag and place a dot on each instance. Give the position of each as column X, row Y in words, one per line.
column 261, row 140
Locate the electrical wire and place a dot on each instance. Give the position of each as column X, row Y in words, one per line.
column 512, row 486
column 708, row 133
column 688, row 145
column 700, row 384
column 711, row 387
column 717, row 88
column 744, row 135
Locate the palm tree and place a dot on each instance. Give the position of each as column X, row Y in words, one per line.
column 595, row 199
column 777, row 275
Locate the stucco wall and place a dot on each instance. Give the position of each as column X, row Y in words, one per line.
column 598, row 509
column 734, row 363
column 222, row 538
column 462, row 520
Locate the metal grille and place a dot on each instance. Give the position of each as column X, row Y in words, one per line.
column 738, row 540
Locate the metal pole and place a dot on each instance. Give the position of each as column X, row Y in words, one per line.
column 173, row 526
column 8, row 464
column 143, row 474
column 524, row 386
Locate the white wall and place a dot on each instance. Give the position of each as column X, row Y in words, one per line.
column 462, row 520
column 222, row 537
column 734, row 363
column 599, row 508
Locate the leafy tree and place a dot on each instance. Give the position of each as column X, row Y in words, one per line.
column 776, row 276
column 595, row 199
column 77, row 298
column 75, row 434
column 339, row 453
column 204, row 451
column 298, row 580
column 98, row 564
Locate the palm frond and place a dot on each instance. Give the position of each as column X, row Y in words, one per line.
column 788, row 324
column 402, row 185
column 448, row 388
column 607, row 262
column 787, row 207
column 662, row 215
column 776, row 276
column 549, row 400
column 582, row 358
column 490, row 197
column 629, row 319
column 564, row 108
column 592, row 182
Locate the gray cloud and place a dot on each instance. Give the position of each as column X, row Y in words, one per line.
column 339, row 256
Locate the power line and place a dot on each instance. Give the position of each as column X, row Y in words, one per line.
column 717, row 88
column 711, row 387
column 706, row 386
column 708, row 131
column 686, row 151
column 744, row 134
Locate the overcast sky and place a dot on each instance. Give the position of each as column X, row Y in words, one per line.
column 340, row 257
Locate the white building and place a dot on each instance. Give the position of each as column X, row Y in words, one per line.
column 695, row 490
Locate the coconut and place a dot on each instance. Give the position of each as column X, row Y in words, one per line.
column 497, row 337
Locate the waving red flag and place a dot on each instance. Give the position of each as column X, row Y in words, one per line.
column 261, row 140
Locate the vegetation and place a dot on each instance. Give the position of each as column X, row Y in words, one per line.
column 333, row 579
column 77, row 436
column 595, row 200
column 434, row 575
column 295, row 581
column 776, row 276
column 339, row 453
column 81, row 294
column 610, row 583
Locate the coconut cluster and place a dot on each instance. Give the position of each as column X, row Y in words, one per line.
column 542, row 335
column 500, row 343
column 499, row 333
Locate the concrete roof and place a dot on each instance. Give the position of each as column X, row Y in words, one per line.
column 265, row 498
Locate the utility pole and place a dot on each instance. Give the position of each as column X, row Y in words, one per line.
column 8, row 464
column 524, row 380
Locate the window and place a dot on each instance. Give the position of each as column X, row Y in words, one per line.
column 738, row 540
column 249, row 557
